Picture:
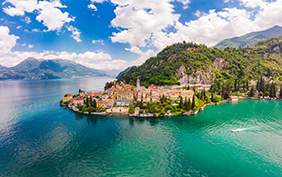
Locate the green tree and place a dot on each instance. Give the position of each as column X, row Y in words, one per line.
column 91, row 109
column 252, row 92
column 193, row 103
column 181, row 102
column 94, row 104
column 131, row 109
column 280, row 92
column 153, row 109
column 266, row 93
column 162, row 112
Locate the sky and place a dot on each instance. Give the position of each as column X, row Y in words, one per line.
column 111, row 35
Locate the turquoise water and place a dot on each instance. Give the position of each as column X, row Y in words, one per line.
column 40, row 138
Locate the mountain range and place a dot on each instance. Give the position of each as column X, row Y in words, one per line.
column 250, row 39
column 32, row 68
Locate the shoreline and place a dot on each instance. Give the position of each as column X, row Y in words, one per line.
column 150, row 115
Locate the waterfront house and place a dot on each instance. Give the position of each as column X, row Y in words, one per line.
column 174, row 93
column 101, row 104
column 128, row 95
column 187, row 94
column 81, row 94
column 67, row 98
column 78, row 100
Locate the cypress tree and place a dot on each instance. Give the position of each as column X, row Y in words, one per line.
column 280, row 92
column 87, row 101
column 257, row 86
column 189, row 105
column 193, row 102
column 181, row 102
column 185, row 104
column 252, row 92
column 94, row 104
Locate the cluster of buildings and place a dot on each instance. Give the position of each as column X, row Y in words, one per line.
column 120, row 95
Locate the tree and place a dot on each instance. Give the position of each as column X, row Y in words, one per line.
column 91, row 109
column 193, row 103
column 189, row 105
column 226, row 95
column 252, row 92
column 87, row 101
column 181, row 102
column 131, row 109
column 266, row 93
column 280, row 92
column 162, row 112
column 94, row 104
column 185, row 104
column 153, row 109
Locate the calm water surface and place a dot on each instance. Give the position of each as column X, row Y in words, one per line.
column 40, row 138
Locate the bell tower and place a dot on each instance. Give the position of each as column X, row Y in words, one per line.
column 138, row 83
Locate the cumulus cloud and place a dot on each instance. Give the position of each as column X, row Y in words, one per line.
column 7, row 41
column 30, row 46
column 145, row 23
column 48, row 13
column 92, row 6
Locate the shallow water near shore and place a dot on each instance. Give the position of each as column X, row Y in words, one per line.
column 40, row 138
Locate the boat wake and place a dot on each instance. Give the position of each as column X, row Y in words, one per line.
column 242, row 129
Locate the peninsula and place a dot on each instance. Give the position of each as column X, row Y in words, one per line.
column 165, row 101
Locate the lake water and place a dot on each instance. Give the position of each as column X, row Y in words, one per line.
column 40, row 138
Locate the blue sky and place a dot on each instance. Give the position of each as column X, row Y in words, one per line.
column 115, row 34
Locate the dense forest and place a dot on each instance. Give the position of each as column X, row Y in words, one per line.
column 231, row 64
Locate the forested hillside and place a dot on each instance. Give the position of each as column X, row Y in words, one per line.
column 189, row 63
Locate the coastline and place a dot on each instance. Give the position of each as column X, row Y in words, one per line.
column 150, row 115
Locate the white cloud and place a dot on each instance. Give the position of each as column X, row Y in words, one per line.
column 30, row 46
column 7, row 41
column 145, row 23
column 75, row 33
column 49, row 13
column 185, row 3
column 18, row 27
column 92, row 6
column 27, row 20
column 98, row 41
column 23, row 44
column 141, row 19
column 35, row 30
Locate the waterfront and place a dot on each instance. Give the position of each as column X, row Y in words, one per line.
column 39, row 138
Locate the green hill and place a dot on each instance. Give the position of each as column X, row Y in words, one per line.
column 250, row 39
column 189, row 63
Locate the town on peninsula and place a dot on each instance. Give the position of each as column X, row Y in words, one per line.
column 165, row 101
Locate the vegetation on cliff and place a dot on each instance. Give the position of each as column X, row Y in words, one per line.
column 185, row 62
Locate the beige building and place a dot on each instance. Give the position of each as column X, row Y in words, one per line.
column 187, row 94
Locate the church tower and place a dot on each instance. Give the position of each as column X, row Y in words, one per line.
column 138, row 83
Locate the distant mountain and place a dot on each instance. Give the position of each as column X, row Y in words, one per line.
column 32, row 68
column 124, row 71
column 250, row 39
